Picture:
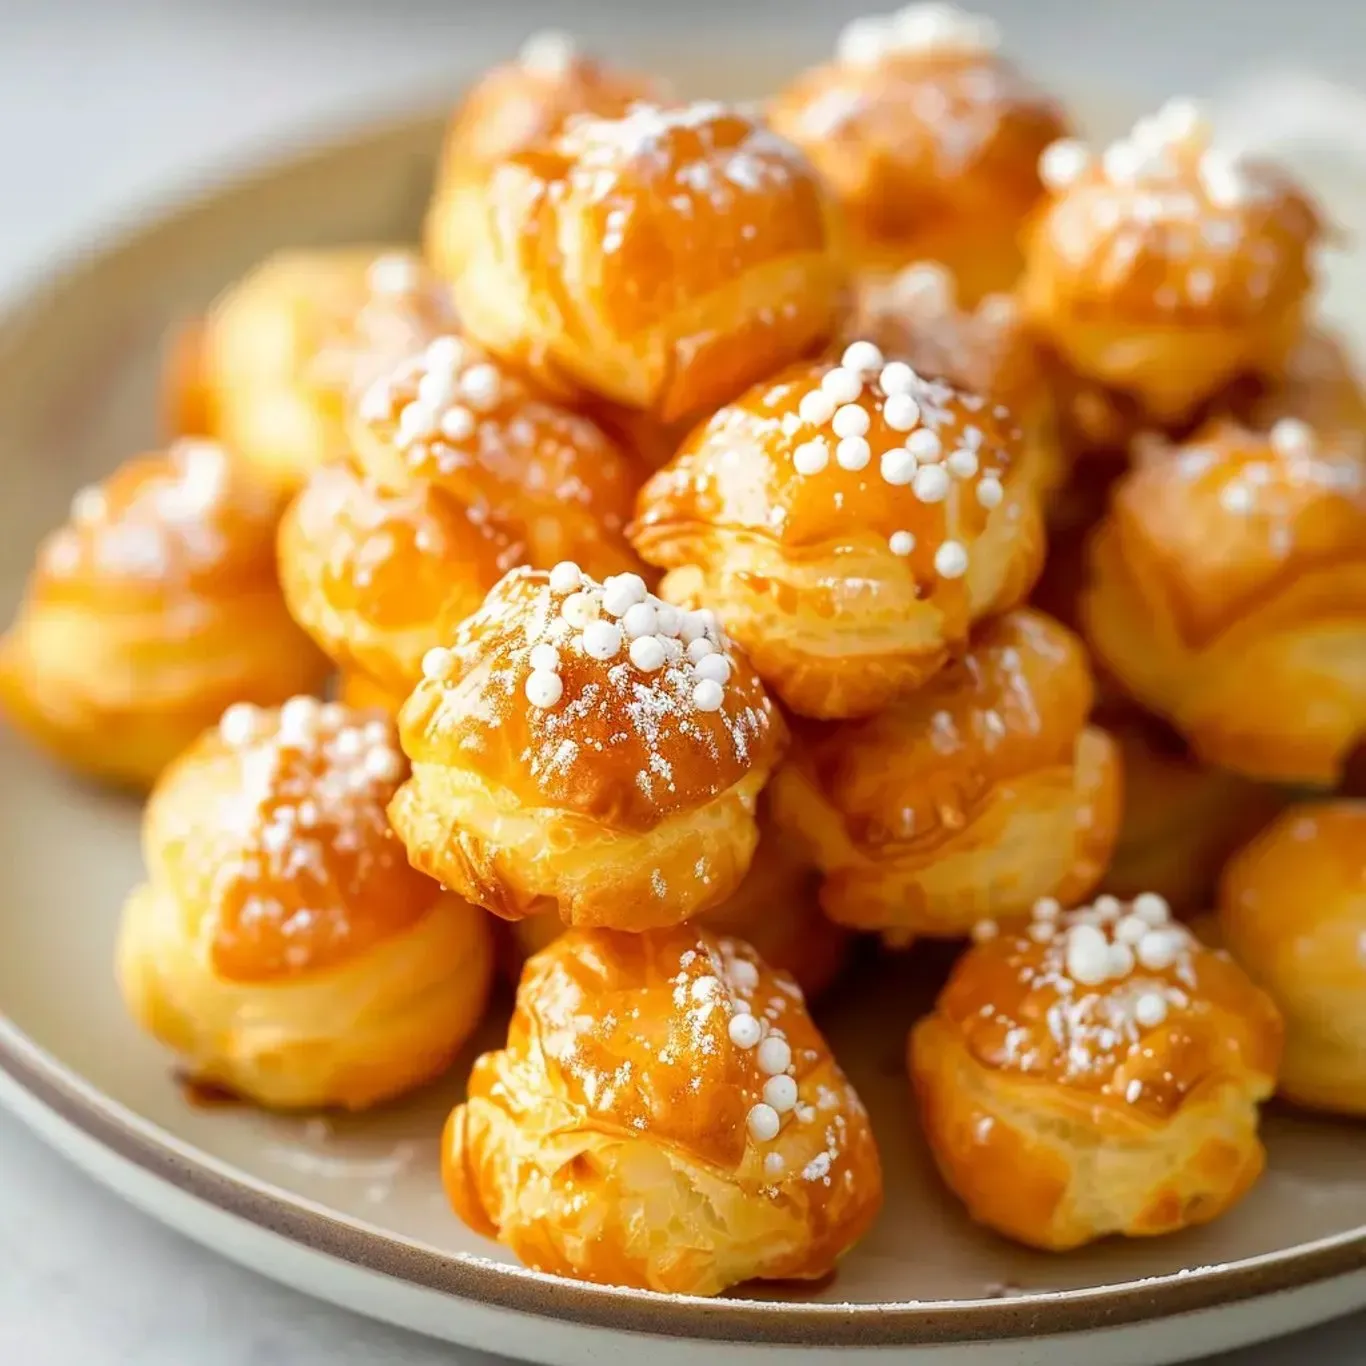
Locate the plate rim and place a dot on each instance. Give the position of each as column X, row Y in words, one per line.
column 62, row 1090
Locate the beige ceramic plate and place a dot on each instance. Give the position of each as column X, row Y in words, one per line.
column 351, row 1209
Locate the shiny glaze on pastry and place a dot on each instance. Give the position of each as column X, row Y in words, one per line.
column 664, row 1116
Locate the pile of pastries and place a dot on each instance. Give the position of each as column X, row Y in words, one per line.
column 742, row 541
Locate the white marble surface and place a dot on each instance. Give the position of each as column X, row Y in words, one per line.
column 107, row 109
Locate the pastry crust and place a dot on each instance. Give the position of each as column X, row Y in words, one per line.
column 662, row 261
column 1292, row 911
column 1097, row 1074
column 1165, row 268
column 635, row 1132
column 282, row 945
column 986, row 348
column 377, row 577
column 850, row 568
column 968, row 800
column 274, row 366
column 930, row 139
column 361, row 692
column 573, row 753
column 1227, row 593
column 149, row 612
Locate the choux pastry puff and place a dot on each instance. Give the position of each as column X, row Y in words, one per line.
column 1095, row 1072
column 664, row 1116
column 1292, row 911
column 281, row 945
column 585, row 748
column 154, row 608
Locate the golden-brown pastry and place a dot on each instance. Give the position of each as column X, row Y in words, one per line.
column 1181, row 819
column 848, row 524
column 1228, row 594
column 586, row 748
column 362, row 692
column 272, row 368
column 515, row 106
column 664, row 1116
column 456, row 418
column 281, row 944
column 1164, row 267
column 1317, row 383
column 987, row 349
column 930, row 139
column 967, row 800
column 662, row 261
column 377, row 577
column 1098, row 1072
column 149, row 612
column 776, row 910
column 1292, row 911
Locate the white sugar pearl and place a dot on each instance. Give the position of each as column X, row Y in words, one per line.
column 1047, row 908
column 962, row 464
column 989, row 491
column 1238, row 499
column 579, row 608
column 901, row 543
column 708, row 695
column 744, row 974
column 544, row 656
column 1150, row 1009
column 897, row 378
column 383, row 764
column 853, row 453
column 816, row 408
column 1106, row 905
column 439, row 663
column 1063, row 163
column 1159, row 949
column 1223, row 182
column 925, row 445
column 416, row 423
column 951, row 560
column 240, row 724
column 774, row 1056
column 745, row 1031
column 1121, row 958
column 601, row 640
column 862, row 357
column 1088, row 955
column 482, row 386
column 445, row 353
column 350, row 743
column 647, row 654
column 850, row 420
column 763, row 1123
column 1152, row 908
column 775, row 1164
column 900, row 412
column 841, row 385
column 700, row 648
column 693, row 626
column 640, row 619
column 436, row 388
column 897, row 466
column 1121, row 162
column 543, row 688
column 714, row 666
column 376, row 402
column 781, row 1093
column 984, row 931
column 622, row 592
column 457, row 423
column 393, row 274
column 669, row 620
column 1290, row 436
column 88, row 505
column 376, row 732
column 565, row 577
column 931, row 483
column 1130, row 929
column 810, row 457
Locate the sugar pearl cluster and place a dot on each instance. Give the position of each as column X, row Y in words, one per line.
column 1158, row 150
column 1303, row 460
column 912, row 407
column 928, row 28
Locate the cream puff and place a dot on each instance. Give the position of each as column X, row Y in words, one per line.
column 151, row 610
column 1227, row 593
column 1097, row 1072
column 968, row 800
column 660, row 262
column 273, row 367
column 664, row 1116
column 849, row 524
column 1163, row 268
column 931, row 140
column 585, row 748
column 281, row 946
column 1292, row 911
